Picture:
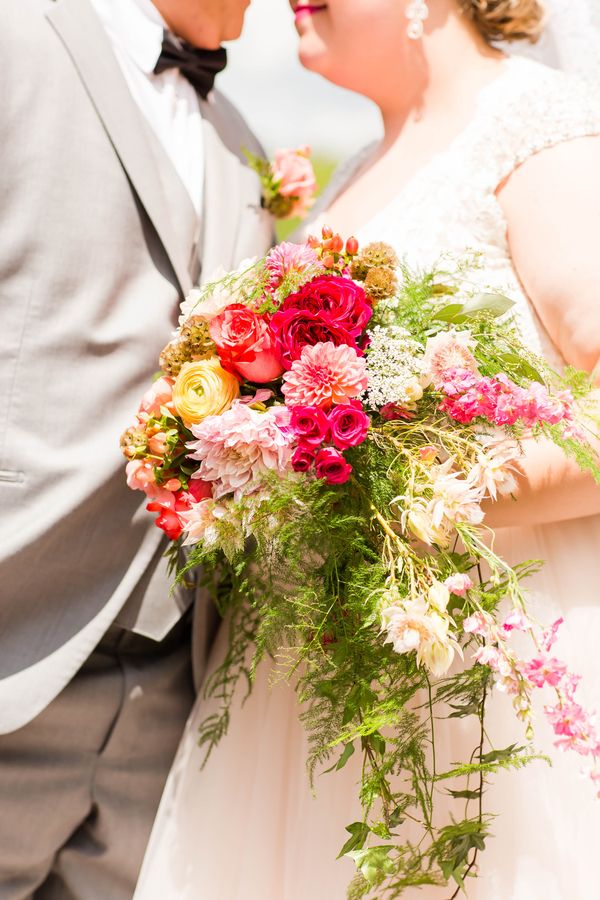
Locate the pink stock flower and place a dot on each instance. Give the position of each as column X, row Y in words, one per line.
column 458, row 584
column 302, row 459
column 236, row 448
column 499, row 400
column 332, row 467
column 309, row 425
column 349, row 425
column 325, row 375
column 246, row 344
column 294, row 177
column 287, row 258
column 551, row 634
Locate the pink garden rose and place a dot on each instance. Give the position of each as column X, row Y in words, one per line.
column 294, row 178
column 325, row 375
column 246, row 344
column 331, row 466
column 310, row 425
column 349, row 425
column 302, row 459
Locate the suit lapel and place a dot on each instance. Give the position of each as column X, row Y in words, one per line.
column 148, row 168
column 221, row 198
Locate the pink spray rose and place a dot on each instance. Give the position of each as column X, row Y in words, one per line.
column 159, row 394
column 310, row 425
column 294, row 177
column 331, row 466
column 302, row 459
column 349, row 425
column 246, row 344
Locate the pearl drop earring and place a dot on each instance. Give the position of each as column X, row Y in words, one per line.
column 416, row 13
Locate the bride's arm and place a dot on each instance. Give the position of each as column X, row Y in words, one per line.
column 552, row 207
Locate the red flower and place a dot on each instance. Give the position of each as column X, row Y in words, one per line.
column 349, row 425
column 302, row 459
column 296, row 329
column 340, row 301
column 331, row 465
column 310, row 425
column 246, row 344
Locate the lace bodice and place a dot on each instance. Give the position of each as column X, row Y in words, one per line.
column 450, row 205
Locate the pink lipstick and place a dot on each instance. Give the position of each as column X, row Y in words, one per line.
column 308, row 9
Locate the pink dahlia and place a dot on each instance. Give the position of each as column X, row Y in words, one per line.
column 325, row 375
column 236, row 448
column 287, row 258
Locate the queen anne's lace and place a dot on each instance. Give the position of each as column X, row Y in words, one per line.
column 450, row 205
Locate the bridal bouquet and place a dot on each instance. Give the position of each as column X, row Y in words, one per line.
column 324, row 438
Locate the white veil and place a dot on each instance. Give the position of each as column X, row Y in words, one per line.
column 571, row 39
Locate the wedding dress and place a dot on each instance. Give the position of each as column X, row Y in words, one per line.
column 246, row 827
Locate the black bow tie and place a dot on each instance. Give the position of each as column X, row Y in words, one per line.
column 200, row 67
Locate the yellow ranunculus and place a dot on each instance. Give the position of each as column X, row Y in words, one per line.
column 203, row 389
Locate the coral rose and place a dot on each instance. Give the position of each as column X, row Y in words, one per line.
column 245, row 343
column 203, row 389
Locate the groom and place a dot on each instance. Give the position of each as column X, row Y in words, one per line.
column 122, row 182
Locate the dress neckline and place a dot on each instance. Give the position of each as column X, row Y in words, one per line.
column 484, row 104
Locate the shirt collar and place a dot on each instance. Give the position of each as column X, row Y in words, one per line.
column 134, row 26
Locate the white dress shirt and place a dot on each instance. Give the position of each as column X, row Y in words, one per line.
column 168, row 101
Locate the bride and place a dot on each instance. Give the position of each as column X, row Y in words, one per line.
column 481, row 152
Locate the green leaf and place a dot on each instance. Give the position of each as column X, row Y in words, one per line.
column 496, row 304
column 449, row 313
column 464, row 795
column 347, row 753
column 373, row 863
column 519, row 365
column 500, row 755
column 359, row 832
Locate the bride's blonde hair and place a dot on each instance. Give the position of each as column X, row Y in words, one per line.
column 506, row 20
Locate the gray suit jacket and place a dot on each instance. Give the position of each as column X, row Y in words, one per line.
column 98, row 243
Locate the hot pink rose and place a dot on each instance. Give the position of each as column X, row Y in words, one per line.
column 310, row 425
column 331, row 466
column 340, row 301
column 246, row 344
column 294, row 177
column 302, row 459
column 296, row 329
column 349, row 425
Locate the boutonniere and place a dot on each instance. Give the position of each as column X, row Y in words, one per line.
column 288, row 182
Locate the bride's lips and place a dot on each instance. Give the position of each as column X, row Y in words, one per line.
column 301, row 10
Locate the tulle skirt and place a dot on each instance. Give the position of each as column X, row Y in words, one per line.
column 247, row 827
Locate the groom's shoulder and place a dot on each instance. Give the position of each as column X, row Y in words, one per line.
column 231, row 126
